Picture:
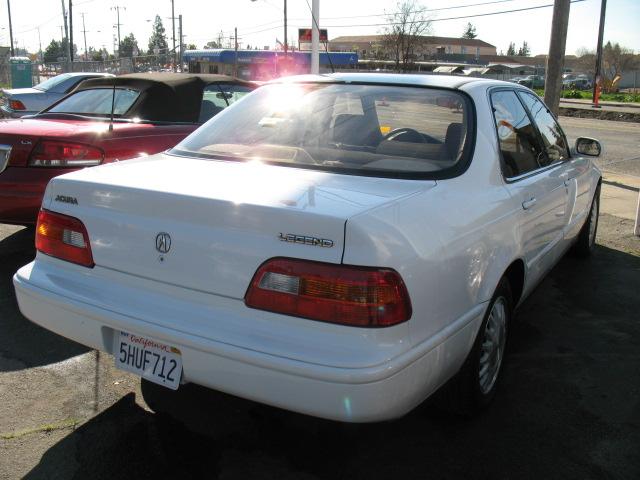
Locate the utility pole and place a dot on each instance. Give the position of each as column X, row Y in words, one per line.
column 235, row 63
column 598, row 74
column 173, row 26
column 10, row 28
column 555, row 60
column 286, row 45
column 64, row 17
column 84, row 32
column 71, row 33
column 40, row 44
column 117, row 9
column 180, row 37
column 315, row 37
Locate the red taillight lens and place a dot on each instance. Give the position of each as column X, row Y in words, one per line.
column 63, row 237
column 16, row 105
column 49, row 153
column 348, row 295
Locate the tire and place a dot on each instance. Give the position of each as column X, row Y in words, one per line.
column 469, row 391
column 586, row 242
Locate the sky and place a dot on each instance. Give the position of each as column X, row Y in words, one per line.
column 260, row 22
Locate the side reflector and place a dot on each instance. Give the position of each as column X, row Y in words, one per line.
column 63, row 237
column 343, row 294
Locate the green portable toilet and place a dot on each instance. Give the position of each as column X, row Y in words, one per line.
column 20, row 72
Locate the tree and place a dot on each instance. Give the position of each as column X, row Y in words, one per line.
column 512, row 49
column 211, row 45
column 615, row 61
column 192, row 46
column 524, row 50
column 405, row 32
column 128, row 46
column 58, row 51
column 158, row 38
column 470, row 31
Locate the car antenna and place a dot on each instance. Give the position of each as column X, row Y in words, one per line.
column 326, row 49
column 113, row 103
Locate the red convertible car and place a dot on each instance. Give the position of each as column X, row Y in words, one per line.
column 103, row 120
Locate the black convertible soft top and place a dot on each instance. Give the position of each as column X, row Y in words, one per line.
column 164, row 97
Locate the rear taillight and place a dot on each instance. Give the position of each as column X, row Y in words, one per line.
column 16, row 105
column 50, row 153
column 348, row 295
column 63, row 237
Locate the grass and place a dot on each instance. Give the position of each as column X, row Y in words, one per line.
column 48, row 427
column 588, row 95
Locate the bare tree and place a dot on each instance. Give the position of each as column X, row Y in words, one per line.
column 405, row 32
column 615, row 61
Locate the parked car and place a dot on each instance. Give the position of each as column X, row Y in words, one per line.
column 341, row 246
column 577, row 83
column 18, row 102
column 152, row 112
column 532, row 81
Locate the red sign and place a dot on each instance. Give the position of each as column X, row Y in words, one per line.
column 304, row 35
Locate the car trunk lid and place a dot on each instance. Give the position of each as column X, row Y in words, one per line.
column 208, row 225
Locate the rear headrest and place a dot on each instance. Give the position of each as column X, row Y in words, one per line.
column 453, row 140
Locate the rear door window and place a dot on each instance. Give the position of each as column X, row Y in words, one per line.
column 519, row 145
column 97, row 101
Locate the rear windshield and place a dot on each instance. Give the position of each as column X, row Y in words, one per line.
column 52, row 82
column 97, row 102
column 353, row 128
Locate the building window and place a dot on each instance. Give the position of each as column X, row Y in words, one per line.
column 449, row 49
column 463, row 50
column 477, row 52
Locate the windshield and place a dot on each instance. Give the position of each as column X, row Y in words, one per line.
column 97, row 101
column 52, row 82
column 354, row 128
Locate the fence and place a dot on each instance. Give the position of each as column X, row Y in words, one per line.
column 147, row 63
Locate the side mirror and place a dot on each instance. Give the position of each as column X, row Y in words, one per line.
column 588, row 146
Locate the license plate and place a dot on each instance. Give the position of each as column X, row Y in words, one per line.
column 152, row 360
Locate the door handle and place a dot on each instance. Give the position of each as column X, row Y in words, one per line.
column 527, row 204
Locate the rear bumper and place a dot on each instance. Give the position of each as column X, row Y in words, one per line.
column 21, row 192
column 352, row 394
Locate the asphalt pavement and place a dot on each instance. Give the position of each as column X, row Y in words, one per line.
column 568, row 406
column 621, row 141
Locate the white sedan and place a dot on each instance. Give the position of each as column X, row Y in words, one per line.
column 341, row 246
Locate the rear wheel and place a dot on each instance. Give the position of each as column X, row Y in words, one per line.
column 473, row 388
column 587, row 237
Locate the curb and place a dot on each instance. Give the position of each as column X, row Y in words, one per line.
column 631, row 117
column 603, row 104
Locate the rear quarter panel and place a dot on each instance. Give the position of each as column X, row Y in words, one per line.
column 451, row 244
column 145, row 140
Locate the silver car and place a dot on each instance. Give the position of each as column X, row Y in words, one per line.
column 18, row 102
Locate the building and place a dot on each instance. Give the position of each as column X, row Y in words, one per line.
column 264, row 64
column 428, row 48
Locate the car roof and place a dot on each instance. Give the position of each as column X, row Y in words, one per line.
column 427, row 80
column 164, row 97
column 84, row 74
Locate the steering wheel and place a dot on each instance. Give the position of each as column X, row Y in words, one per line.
column 393, row 134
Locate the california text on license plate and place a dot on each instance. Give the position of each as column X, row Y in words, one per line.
column 152, row 360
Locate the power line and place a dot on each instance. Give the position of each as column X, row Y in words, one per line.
column 453, row 7
column 443, row 19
